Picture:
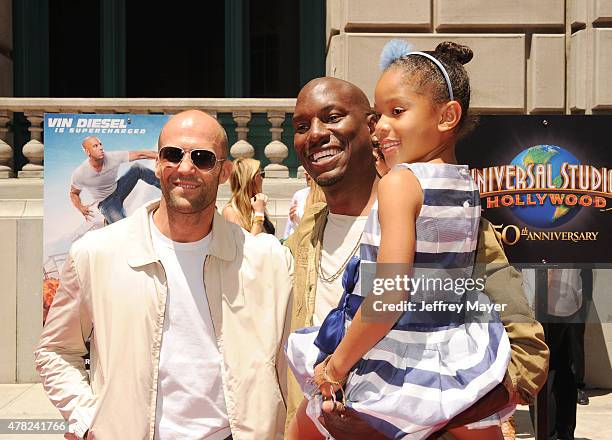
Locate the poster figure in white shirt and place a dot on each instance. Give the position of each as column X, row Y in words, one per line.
column 296, row 209
column 98, row 174
column 569, row 291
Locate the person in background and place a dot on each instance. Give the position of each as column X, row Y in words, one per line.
column 247, row 207
column 577, row 335
column 296, row 208
column 567, row 291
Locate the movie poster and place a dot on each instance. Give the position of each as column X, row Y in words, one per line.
column 98, row 169
column 545, row 183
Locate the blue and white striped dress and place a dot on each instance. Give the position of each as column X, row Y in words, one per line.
column 429, row 367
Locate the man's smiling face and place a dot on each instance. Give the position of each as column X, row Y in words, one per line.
column 185, row 188
column 331, row 130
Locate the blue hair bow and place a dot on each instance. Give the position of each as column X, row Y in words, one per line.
column 393, row 50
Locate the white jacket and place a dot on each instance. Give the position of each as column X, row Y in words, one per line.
column 113, row 292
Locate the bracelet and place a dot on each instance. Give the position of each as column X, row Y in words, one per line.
column 326, row 378
column 259, row 217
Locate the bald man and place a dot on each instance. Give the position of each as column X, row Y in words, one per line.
column 185, row 312
column 333, row 123
column 98, row 174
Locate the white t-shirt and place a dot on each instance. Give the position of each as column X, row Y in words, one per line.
column 299, row 200
column 190, row 398
column 564, row 290
column 103, row 184
column 342, row 232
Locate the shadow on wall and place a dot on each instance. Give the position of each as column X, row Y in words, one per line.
column 524, row 428
column 598, row 333
column 598, row 370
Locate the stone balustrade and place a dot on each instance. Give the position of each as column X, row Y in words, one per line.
column 240, row 109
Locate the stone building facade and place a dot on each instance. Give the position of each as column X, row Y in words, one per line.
column 530, row 57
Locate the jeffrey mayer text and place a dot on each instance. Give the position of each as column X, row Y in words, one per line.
column 437, row 306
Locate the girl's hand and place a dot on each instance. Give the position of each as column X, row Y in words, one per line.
column 258, row 203
column 329, row 383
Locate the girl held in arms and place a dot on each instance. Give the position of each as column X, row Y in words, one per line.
column 404, row 372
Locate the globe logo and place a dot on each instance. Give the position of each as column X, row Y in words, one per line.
column 546, row 215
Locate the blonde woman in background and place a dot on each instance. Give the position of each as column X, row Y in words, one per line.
column 247, row 207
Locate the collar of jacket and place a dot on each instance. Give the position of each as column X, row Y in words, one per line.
column 320, row 220
column 140, row 249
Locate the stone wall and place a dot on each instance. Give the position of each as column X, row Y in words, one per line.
column 21, row 280
column 530, row 57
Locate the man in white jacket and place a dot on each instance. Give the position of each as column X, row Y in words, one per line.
column 185, row 313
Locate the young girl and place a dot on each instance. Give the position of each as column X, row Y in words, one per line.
column 409, row 372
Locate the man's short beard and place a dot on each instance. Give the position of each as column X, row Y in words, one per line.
column 323, row 182
column 196, row 205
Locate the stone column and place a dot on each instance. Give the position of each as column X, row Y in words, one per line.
column 276, row 151
column 6, row 151
column 242, row 148
column 34, row 149
column 301, row 172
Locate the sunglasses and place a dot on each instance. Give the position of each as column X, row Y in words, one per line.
column 204, row 160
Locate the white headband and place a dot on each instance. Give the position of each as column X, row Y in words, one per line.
column 396, row 49
column 442, row 69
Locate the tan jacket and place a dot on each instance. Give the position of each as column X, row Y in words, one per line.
column 114, row 292
column 528, row 366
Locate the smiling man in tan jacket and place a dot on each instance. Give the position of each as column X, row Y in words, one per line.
column 333, row 124
column 185, row 312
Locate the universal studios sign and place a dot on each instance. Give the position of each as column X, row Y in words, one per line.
column 545, row 184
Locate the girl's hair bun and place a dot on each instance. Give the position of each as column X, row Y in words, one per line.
column 462, row 54
column 392, row 51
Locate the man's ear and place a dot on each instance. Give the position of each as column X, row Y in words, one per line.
column 226, row 170
column 372, row 119
column 158, row 168
column 450, row 115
